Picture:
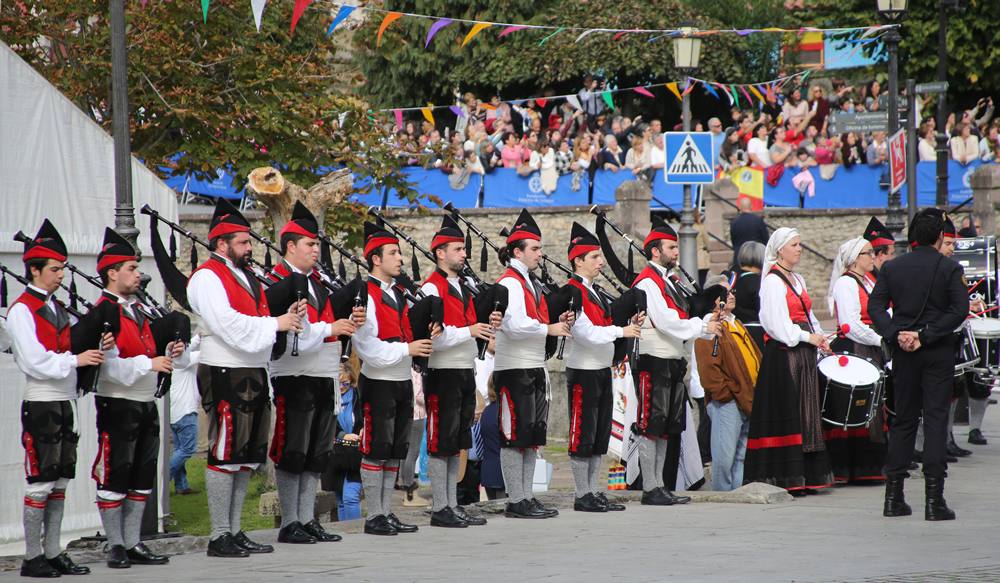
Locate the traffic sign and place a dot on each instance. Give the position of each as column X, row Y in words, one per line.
column 935, row 87
column 689, row 158
column 863, row 122
column 897, row 160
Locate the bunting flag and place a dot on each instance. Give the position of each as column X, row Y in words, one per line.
column 606, row 96
column 746, row 94
column 736, row 96
column 586, row 33
column 297, row 11
column 673, row 89
column 426, row 111
column 642, row 91
column 546, row 39
column 476, row 29
column 257, row 7
column 511, row 29
column 204, row 10
column 456, row 110
column 688, row 87
column 756, row 92
column 389, row 19
column 541, row 101
column 708, row 87
column 574, row 101
column 435, row 28
column 399, row 117
column 341, row 16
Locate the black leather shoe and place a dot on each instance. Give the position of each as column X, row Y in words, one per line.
column 656, row 497
column 676, row 499
column 956, row 451
column 379, row 525
column 66, row 566
column 118, row 558
column 141, row 555
column 895, row 505
column 225, row 547
column 295, row 534
column 38, row 567
column 523, row 509
column 472, row 520
column 400, row 526
column 976, row 437
column 316, row 529
column 253, row 548
column 588, row 503
column 611, row 506
column 550, row 511
column 446, row 518
column 936, row 508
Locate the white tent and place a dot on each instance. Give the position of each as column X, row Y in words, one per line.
column 57, row 163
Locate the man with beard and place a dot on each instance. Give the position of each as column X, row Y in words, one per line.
column 659, row 375
column 520, row 378
column 238, row 333
column 306, row 389
column 450, row 383
column 39, row 328
column 385, row 345
column 128, row 421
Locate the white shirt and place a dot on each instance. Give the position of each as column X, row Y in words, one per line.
column 49, row 375
column 848, row 304
column 4, row 336
column 455, row 347
column 520, row 341
column 381, row 360
column 316, row 358
column 229, row 338
column 758, row 148
column 774, row 316
column 590, row 346
column 667, row 331
column 184, row 395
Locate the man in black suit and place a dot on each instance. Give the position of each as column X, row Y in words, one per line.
column 747, row 226
column 928, row 303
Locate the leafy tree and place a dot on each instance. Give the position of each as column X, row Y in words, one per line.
column 219, row 92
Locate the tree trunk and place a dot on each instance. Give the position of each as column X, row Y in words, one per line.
column 278, row 195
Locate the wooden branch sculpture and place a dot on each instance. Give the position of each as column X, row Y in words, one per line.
column 278, row 195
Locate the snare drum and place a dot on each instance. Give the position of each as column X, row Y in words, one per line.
column 851, row 388
column 986, row 331
column 966, row 349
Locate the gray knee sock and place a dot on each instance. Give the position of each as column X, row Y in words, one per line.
column 307, row 496
column 596, row 466
column 241, row 480
column 132, row 519
column 389, row 470
column 53, row 523
column 661, row 460
column 453, row 481
column 977, row 410
column 34, row 519
column 647, row 464
column 371, row 484
column 219, row 487
column 581, row 474
column 111, row 518
column 437, row 470
column 528, row 478
column 512, row 468
column 288, row 496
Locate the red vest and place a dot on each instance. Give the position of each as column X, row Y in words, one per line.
column 52, row 338
column 393, row 324
column 595, row 310
column 133, row 339
column 863, row 298
column 654, row 274
column 458, row 312
column 794, row 305
column 538, row 312
column 240, row 298
column 315, row 315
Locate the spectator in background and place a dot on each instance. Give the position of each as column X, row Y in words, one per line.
column 489, row 428
column 750, row 261
column 489, row 156
column 656, row 126
column 583, row 154
column 757, row 147
column 851, row 150
column 876, row 100
column 718, row 136
column 770, row 107
column 989, row 143
column 657, row 153
column 564, row 158
column 543, row 160
column 794, row 108
column 184, row 403
column 590, row 99
column 512, row 153
column 732, row 154
column 343, row 475
column 878, row 150
column 803, row 159
column 819, row 107
column 704, row 255
column 926, row 145
column 964, row 146
column 637, row 160
column 780, row 151
column 612, row 156
column 746, row 226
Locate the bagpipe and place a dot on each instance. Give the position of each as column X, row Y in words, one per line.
column 75, row 299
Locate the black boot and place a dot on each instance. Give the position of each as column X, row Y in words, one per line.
column 589, row 503
column 894, row 503
column 118, row 558
column 523, row 509
column 976, row 437
column 936, row 508
column 447, row 518
column 656, row 497
column 225, row 547
column 38, row 567
column 379, row 525
column 295, row 534
column 66, row 566
column 141, row 555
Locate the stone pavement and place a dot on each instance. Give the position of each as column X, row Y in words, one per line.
column 839, row 535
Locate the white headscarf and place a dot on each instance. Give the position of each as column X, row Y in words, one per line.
column 846, row 257
column 776, row 243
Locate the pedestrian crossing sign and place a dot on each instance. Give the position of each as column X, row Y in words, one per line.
column 689, row 158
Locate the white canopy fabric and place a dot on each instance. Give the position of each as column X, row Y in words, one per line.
column 56, row 163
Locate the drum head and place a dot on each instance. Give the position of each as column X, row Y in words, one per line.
column 985, row 327
column 855, row 371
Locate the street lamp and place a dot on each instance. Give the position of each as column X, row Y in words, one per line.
column 892, row 11
column 687, row 53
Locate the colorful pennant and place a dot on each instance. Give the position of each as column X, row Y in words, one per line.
column 435, row 28
column 341, row 16
column 389, row 19
column 476, row 29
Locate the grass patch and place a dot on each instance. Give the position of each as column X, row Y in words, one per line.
column 189, row 514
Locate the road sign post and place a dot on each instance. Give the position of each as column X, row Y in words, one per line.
column 689, row 158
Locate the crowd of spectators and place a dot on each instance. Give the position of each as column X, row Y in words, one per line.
column 789, row 129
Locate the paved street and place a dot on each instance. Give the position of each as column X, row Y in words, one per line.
column 836, row 536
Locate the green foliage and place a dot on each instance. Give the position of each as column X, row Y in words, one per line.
column 188, row 515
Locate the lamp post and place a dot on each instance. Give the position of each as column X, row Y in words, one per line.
column 687, row 52
column 124, row 212
column 893, row 11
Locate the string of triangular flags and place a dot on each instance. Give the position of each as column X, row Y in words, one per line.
column 738, row 94
column 506, row 28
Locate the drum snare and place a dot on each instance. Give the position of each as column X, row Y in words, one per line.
column 852, row 389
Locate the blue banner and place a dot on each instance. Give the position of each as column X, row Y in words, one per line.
column 606, row 182
column 505, row 188
column 427, row 183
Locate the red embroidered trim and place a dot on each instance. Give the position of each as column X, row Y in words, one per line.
column 576, row 413
column 225, row 430
column 108, row 504
column 366, row 423
column 28, row 501
column 57, row 496
column 30, row 455
column 388, row 468
column 433, row 419
column 278, row 443
column 645, row 399
column 220, row 470
column 137, row 497
column 371, row 467
column 101, row 470
column 777, row 441
column 506, row 400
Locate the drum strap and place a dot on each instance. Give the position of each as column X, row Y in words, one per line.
column 805, row 310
